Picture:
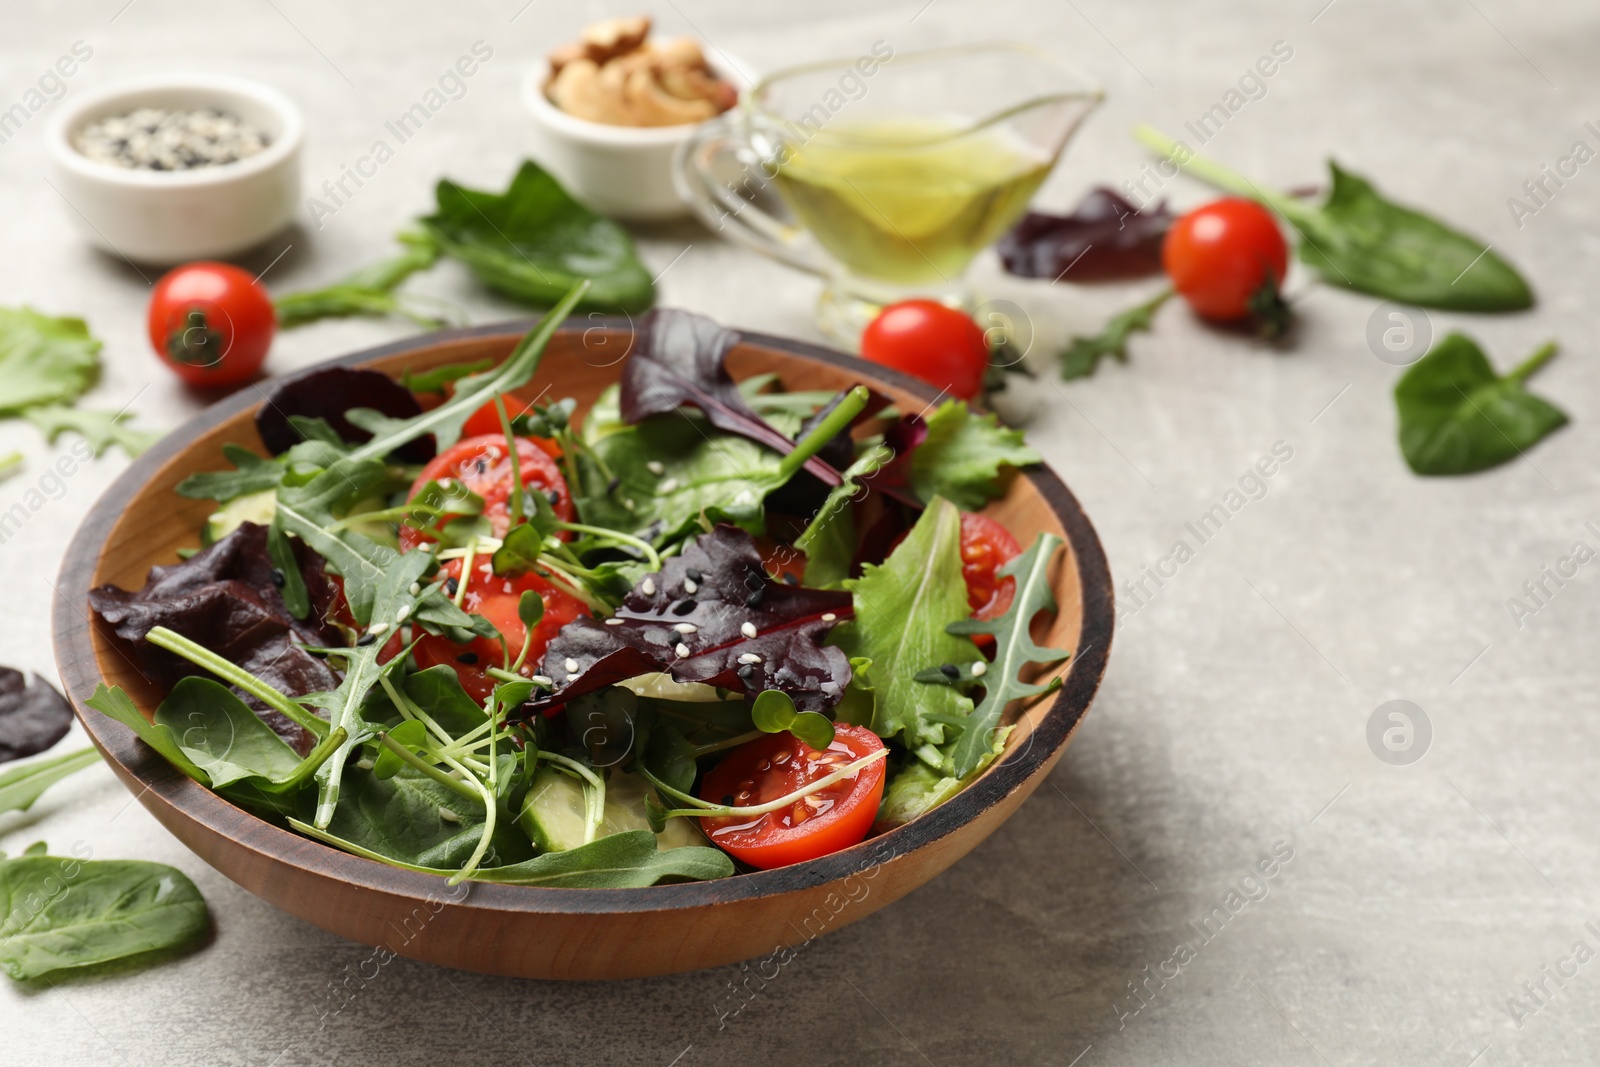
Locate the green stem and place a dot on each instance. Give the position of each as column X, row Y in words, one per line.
column 1214, row 173
column 706, row 810
column 517, row 509
column 619, row 537
column 409, row 709
column 853, row 403
column 1533, row 362
column 314, row 760
column 456, row 785
column 202, row 656
column 10, row 462
column 731, row 742
column 594, row 798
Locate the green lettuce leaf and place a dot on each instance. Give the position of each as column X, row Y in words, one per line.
column 963, row 454
column 920, row 787
column 829, row 541
column 44, row 360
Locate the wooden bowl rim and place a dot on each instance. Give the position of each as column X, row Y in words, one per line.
column 78, row 668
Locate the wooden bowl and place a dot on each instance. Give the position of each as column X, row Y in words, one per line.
column 558, row 933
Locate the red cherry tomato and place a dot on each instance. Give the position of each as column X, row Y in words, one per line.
column 486, row 421
column 928, row 340
column 1227, row 259
column 776, row 765
column 482, row 465
column 986, row 546
column 211, row 323
column 497, row 599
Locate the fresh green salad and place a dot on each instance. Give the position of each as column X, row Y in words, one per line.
column 701, row 627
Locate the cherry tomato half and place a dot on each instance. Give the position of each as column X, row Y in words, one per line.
column 774, row 766
column 928, row 340
column 482, row 465
column 212, row 323
column 986, row 546
column 1227, row 259
column 497, row 599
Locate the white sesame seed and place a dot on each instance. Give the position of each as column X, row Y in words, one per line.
column 686, row 627
column 426, row 546
column 447, row 815
column 748, row 629
column 648, row 587
column 979, row 669
column 668, row 486
column 829, row 617
column 364, row 764
column 682, row 650
column 571, row 665
column 415, row 589
column 749, row 657
column 628, row 504
column 542, row 681
column 377, row 628
column 655, row 467
column 400, row 616
column 613, row 621
column 689, row 587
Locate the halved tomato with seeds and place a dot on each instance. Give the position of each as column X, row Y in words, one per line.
column 769, row 768
column 482, row 466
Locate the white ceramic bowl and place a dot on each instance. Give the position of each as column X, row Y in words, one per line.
column 621, row 171
column 166, row 217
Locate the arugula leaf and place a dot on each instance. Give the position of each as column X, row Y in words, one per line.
column 678, row 359
column 434, row 381
column 829, row 539
column 251, row 474
column 902, row 608
column 961, row 457
column 1082, row 355
column 369, row 291
column 1014, row 650
column 533, row 242
column 21, row 786
column 61, row 914
column 1458, row 416
column 731, row 627
column 1362, row 241
column 32, row 717
column 101, row 429
column 44, row 360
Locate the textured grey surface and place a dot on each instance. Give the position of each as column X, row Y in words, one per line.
column 1234, row 714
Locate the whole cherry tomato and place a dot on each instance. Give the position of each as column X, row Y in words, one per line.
column 928, row 340
column 212, row 323
column 1227, row 259
column 776, row 765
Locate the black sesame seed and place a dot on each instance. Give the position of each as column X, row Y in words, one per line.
column 755, row 598
column 554, row 496
column 450, row 587
column 694, row 575
column 950, row 671
column 366, row 639
column 727, row 801
column 789, row 579
column 469, row 658
column 611, row 486
column 747, row 672
column 279, row 579
column 683, row 607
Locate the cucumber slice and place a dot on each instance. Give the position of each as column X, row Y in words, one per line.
column 252, row 507
column 553, row 812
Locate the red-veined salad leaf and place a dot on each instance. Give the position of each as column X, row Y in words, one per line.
column 1104, row 238
column 227, row 599
column 32, row 717
column 955, row 453
column 678, row 359
column 329, row 393
column 711, row 615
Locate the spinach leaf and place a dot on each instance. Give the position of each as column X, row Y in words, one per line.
column 1362, row 241
column 369, row 291
column 60, row 914
column 1014, row 650
column 961, row 457
column 44, row 360
column 533, row 242
column 101, row 429
column 21, row 786
column 32, row 717
column 410, row 819
column 1458, row 416
column 221, row 735
column 902, row 608
column 1082, row 355
column 829, row 539
column 115, row 703
column 628, row 860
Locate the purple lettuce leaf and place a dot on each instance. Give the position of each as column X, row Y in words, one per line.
column 32, row 717
column 327, row 394
column 1105, row 238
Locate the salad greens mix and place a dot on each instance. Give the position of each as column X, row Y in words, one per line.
column 708, row 626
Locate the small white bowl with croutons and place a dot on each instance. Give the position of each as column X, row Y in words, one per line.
column 610, row 111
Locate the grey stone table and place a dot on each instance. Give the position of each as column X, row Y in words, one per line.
column 1427, row 913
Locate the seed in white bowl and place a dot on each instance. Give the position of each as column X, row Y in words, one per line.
column 152, row 138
